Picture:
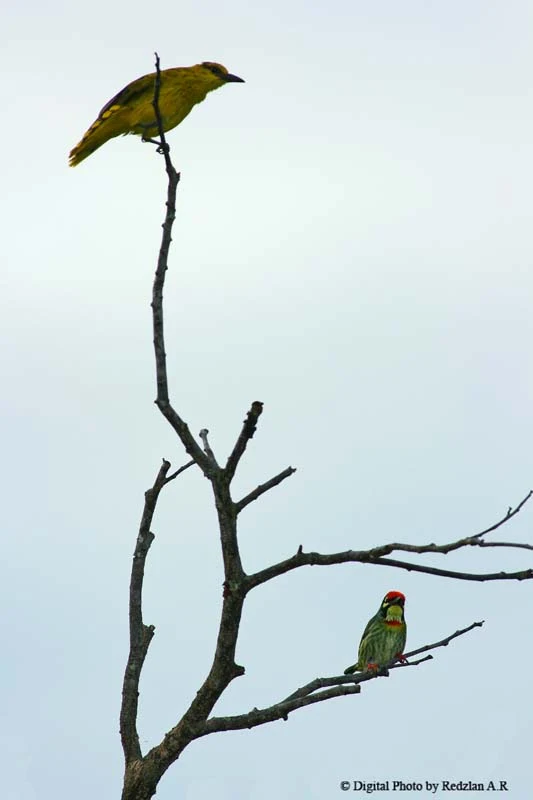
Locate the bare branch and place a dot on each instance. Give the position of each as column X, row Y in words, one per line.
column 375, row 556
column 468, row 541
column 522, row 575
column 207, row 447
column 301, row 559
column 248, row 430
column 140, row 634
column 279, row 711
column 511, row 512
column 475, row 540
column 164, row 147
column 224, row 669
column 175, row 474
column 162, row 261
column 521, row 545
column 263, row 487
column 317, row 683
column 386, row 549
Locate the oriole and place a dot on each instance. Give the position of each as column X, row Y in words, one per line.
column 131, row 110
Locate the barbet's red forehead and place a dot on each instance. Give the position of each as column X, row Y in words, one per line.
column 395, row 596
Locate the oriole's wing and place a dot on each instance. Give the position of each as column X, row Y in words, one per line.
column 133, row 91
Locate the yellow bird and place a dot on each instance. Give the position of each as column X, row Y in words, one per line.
column 131, row 110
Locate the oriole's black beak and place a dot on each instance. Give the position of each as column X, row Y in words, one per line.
column 233, row 78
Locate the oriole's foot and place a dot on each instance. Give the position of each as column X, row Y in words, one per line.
column 161, row 148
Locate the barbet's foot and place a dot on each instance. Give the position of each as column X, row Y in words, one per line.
column 401, row 658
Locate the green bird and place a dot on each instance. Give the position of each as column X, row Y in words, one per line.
column 384, row 636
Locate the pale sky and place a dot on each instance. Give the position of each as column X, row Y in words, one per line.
column 353, row 248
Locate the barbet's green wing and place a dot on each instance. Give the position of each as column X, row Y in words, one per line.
column 370, row 628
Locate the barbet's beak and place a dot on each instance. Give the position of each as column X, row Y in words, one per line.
column 229, row 78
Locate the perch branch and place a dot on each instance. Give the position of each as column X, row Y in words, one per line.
column 395, row 663
column 308, row 694
column 162, row 401
column 163, row 147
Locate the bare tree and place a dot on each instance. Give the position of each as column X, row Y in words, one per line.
column 143, row 772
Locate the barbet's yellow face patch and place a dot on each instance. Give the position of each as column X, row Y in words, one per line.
column 394, row 615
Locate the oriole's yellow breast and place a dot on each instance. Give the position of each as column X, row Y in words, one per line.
column 132, row 111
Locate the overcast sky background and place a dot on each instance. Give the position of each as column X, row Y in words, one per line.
column 353, row 248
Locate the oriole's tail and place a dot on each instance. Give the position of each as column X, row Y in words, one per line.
column 97, row 135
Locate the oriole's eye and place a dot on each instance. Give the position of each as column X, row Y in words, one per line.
column 216, row 69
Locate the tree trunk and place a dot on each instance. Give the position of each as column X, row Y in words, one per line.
column 139, row 784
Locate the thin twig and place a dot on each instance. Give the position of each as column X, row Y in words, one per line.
column 162, row 261
column 522, row 575
column 475, row 540
column 511, row 512
column 415, row 663
column 263, row 487
column 520, row 545
column 164, row 147
column 175, row 474
column 468, row 541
